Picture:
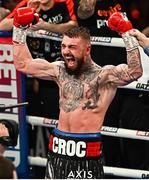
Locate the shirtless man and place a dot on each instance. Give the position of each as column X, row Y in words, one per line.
column 86, row 91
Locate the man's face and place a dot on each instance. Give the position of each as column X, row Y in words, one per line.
column 74, row 52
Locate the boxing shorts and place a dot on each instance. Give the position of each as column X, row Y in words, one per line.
column 74, row 156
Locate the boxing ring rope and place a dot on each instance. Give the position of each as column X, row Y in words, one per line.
column 108, row 131
column 114, row 171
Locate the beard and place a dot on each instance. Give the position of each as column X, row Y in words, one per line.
column 77, row 71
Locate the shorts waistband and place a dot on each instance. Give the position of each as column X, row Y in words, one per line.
column 85, row 136
column 77, row 145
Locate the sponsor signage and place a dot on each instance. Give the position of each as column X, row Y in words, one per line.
column 11, row 93
column 109, row 129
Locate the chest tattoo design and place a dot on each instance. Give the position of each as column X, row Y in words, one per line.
column 77, row 90
column 72, row 93
column 92, row 96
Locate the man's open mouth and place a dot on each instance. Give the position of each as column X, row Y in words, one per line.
column 70, row 61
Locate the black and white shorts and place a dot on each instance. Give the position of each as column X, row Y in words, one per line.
column 74, row 156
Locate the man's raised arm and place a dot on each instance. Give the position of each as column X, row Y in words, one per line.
column 125, row 73
column 23, row 60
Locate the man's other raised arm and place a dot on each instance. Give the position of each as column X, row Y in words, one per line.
column 124, row 74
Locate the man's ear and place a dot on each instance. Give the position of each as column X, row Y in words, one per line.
column 88, row 50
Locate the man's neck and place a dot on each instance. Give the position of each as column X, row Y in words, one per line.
column 87, row 65
column 88, row 62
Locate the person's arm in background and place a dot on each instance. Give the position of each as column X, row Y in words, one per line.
column 47, row 26
column 58, row 28
column 142, row 39
column 7, row 23
column 3, row 13
column 86, row 8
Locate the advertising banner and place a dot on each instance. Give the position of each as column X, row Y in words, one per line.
column 12, row 92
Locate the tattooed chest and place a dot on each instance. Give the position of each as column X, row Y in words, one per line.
column 77, row 94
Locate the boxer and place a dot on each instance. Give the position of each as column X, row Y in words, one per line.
column 86, row 91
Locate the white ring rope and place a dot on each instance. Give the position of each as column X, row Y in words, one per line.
column 114, row 171
column 108, row 131
column 95, row 40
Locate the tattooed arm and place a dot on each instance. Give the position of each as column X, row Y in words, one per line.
column 124, row 74
column 39, row 68
column 86, row 8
